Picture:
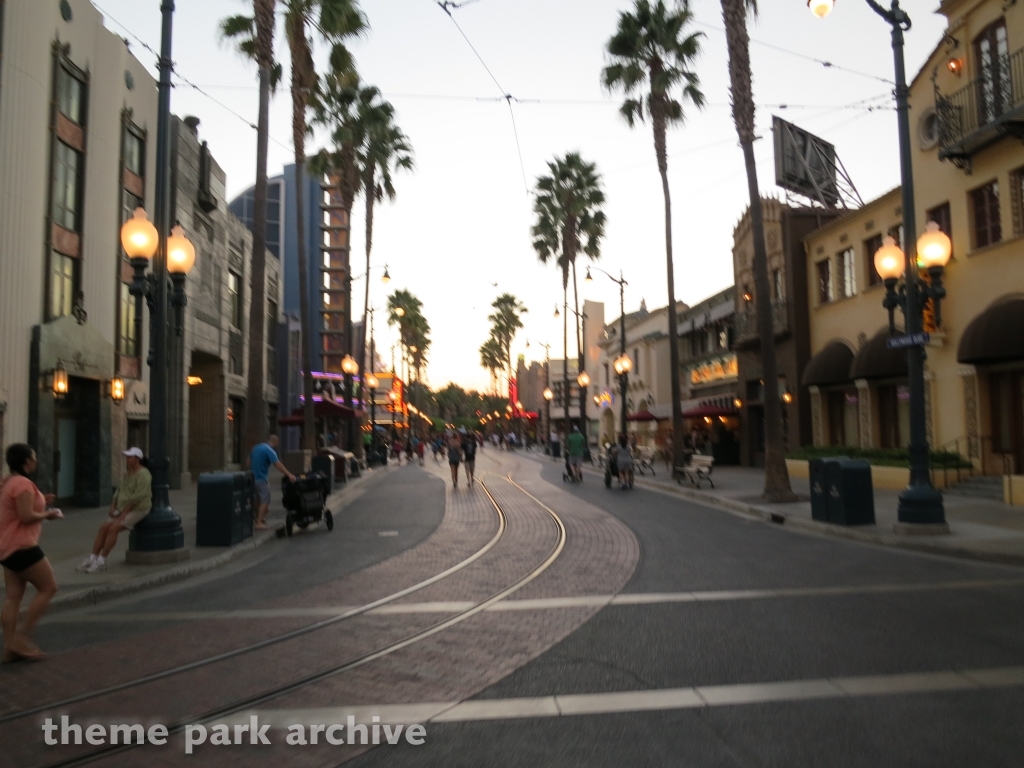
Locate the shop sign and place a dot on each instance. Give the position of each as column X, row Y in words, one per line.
column 604, row 399
column 716, row 370
column 136, row 399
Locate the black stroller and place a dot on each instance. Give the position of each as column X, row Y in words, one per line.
column 304, row 501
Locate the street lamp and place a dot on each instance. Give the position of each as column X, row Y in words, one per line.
column 623, row 365
column 919, row 502
column 583, row 379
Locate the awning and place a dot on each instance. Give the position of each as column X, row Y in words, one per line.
column 709, row 410
column 643, row 415
column 996, row 335
column 830, row 366
column 876, row 361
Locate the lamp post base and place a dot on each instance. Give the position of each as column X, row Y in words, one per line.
column 159, row 531
column 921, row 504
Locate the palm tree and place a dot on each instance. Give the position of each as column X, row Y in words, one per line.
column 652, row 53
column 491, row 355
column 384, row 150
column 776, row 476
column 567, row 205
column 254, row 37
column 334, row 20
column 506, row 321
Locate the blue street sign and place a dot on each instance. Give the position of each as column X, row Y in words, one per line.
column 908, row 340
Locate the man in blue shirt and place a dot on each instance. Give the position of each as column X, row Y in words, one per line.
column 260, row 460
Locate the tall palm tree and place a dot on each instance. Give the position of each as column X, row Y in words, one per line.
column 385, row 149
column 506, row 321
column 652, row 54
column 334, row 21
column 491, row 358
column 776, row 476
column 254, row 37
column 567, row 205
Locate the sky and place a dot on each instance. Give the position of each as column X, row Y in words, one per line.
column 458, row 232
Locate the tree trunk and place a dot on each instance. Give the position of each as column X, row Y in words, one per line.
column 299, row 138
column 580, row 351
column 255, row 421
column 368, row 188
column 673, row 323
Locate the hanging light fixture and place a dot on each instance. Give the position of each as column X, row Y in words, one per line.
column 386, row 278
column 60, row 380
column 117, row 389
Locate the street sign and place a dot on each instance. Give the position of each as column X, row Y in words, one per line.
column 908, row 340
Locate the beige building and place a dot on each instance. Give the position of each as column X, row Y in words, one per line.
column 77, row 142
column 967, row 107
column 594, row 311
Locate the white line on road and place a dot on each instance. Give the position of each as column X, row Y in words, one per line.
column 548, row 603
column 646, row 700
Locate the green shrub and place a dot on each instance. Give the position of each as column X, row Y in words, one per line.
column 880, row 457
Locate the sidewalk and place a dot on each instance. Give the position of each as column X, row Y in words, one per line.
column 980, row 529
column 66, row 542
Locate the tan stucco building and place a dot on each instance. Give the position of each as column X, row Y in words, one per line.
column 967, row 113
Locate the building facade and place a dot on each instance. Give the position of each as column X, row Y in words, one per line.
column 785, row 228
column 557, row 371
column 77, row 147
column 967, row 104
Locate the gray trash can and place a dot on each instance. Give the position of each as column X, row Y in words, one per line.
column 851, row 498
column 819, row 486
column 224, row 508
column 324, row 464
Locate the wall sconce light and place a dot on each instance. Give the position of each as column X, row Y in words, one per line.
column 748, row 296
column 787, row 397
column 955, row 65
column 194, row 381
column 60, row 381
column 117, row 389
column 737, row 403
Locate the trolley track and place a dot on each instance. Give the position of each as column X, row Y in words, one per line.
column 292, row 686
column 270, row 641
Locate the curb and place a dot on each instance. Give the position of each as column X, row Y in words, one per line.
column 767, row 515
column 95, row 595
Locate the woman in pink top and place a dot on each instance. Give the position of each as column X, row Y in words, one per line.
column 22, row 511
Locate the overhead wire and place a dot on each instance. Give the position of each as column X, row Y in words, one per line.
column 446, row 6
column 185, row 81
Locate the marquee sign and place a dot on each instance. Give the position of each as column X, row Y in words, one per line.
column 715, row 370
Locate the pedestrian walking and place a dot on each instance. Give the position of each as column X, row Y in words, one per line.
column 575, row 446
column 469, row 454
column 132, row 502
column 22, row 511
column 264, row 456
column 421, row 448
column 454, row 457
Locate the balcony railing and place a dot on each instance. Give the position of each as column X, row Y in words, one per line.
column 983, row 111
column 745, row 323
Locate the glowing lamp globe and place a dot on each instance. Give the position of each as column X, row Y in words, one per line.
column 138, row 236
column 890, row 261
column 821, row 8
column 181, row 254
column 583, row 379
column 548, row 394
column 349, row 365
column 371, row 381
column 933, row 247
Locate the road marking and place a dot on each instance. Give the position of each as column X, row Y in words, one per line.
column 387, row 533
column 620, row 702
column 548, row 603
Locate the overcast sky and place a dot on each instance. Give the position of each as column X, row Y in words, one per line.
column 461, row 221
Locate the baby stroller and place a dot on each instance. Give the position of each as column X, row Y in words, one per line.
column 568, row 475
column 304, row 502
column 611, row 471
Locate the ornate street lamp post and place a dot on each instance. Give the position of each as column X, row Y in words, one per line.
column 548, row 397
column 623, row 365
column 919, row 502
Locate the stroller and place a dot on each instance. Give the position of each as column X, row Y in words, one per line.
column 304, row 502
column 611, row 470
column 568, row 475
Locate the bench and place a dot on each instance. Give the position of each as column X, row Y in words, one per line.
column 645, row 458
column 698, row 468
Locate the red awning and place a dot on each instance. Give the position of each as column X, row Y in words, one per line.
column 643, row 415
column 709, row 410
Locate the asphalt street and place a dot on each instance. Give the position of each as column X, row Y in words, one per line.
column 911, row 626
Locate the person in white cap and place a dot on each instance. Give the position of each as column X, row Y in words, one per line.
column 131, row 503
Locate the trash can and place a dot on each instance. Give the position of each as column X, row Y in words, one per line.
column 851, row 498
column 819, row 486
column 224, row 508
column 556, row 449
column 324, row 464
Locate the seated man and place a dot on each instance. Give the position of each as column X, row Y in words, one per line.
column 131, row 503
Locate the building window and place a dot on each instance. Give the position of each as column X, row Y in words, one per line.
column 825, row 281
column 235, row 299
column 871, row 247
column 991, row 51
column 941, row 216
column 63, row 271
column 896, row 233
column 848, row 273
column 67, row 168
column 126, row 341
column 134, row 152
column 70, row 96
column 985, row 210
column 777, row 286
column 1017, row 200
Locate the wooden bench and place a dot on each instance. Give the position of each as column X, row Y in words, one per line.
column 697, row 469
column 645, row 458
